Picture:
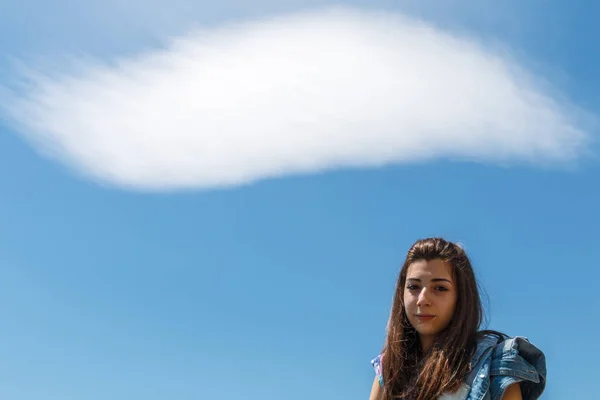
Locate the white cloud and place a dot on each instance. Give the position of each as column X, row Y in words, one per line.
column 296, row 94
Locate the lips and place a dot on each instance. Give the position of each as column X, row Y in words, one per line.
column 424, row 317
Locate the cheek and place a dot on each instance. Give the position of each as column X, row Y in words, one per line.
column 450, row 306
column 408, row 299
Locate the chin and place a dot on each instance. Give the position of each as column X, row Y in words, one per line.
column 427, row 329
column 428, row 332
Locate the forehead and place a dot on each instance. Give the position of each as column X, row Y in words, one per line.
column 429, row 269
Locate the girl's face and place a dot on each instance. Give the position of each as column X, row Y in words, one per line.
column 429, row 298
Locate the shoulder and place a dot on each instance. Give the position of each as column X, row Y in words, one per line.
column 514, row 360
column 519, row 350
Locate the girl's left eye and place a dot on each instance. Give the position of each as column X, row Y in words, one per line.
column 441, row 289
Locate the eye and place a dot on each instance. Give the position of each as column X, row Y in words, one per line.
column 411, row 286
column 441, row 289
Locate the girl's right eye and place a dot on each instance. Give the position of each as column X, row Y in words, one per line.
column 411, row 287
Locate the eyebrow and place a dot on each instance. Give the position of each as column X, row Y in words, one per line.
column 433, row 280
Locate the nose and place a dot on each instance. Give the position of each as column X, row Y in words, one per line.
column 423, row 299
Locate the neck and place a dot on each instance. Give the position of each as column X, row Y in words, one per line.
column 426, row 342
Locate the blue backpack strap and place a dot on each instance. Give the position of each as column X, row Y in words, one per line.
column 376, row 363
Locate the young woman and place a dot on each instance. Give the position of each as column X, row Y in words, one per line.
column 434, row 349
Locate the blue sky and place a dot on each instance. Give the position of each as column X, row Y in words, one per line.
column 266, row 270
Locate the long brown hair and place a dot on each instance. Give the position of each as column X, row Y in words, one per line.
column 408, row 372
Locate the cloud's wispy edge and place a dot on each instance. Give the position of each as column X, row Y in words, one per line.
column 296, row 94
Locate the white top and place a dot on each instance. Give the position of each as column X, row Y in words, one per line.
column 460, row 394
